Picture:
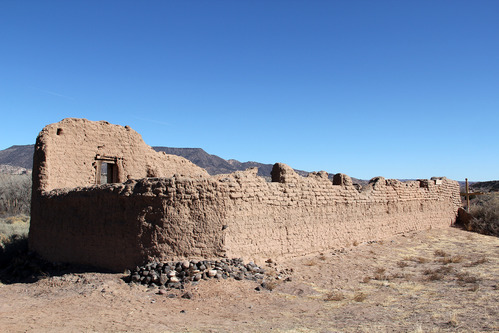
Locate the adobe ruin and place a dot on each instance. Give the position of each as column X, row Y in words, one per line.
column 154, row 206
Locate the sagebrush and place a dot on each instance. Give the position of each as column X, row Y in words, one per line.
column 485, row 215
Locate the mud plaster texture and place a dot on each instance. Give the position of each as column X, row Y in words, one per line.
column 163, row 207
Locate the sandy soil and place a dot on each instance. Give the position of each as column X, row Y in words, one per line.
column 432, row 281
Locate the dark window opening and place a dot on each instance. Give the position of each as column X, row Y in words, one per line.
column 106, row 170
column 59, row 131
column 107, row 173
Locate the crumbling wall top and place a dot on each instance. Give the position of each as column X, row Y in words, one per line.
column 77, row 152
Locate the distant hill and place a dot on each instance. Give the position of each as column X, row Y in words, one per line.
column 216, row 165
column 489, row 186
column 18, row 156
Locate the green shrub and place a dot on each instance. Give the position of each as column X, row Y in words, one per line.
column 485, row 215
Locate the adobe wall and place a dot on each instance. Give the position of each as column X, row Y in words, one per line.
column 118, row 226
column 122, row 225
column 66, row 155
column 300, row 215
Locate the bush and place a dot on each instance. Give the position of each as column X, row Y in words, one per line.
column 14, row 225
column 11, row 249
column 15, row 194
column 485, row 215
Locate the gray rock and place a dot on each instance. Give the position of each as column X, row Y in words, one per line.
column 163, row 279
column 187, row 295
column 177, row 274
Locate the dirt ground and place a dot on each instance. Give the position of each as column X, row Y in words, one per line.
column 432, row 281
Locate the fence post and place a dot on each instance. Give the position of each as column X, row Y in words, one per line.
column 467, row 196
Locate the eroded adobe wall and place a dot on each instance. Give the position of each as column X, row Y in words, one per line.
column 72, row 218
column 118, row 226
column 304, row 215
column 121, row 225
column 65, row 155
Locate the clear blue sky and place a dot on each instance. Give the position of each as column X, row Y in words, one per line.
column 400, row 89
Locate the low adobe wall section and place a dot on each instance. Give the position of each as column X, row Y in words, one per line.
column 187, row 213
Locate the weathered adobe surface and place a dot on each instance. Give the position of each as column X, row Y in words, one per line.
column 300, row 215
column 65, row 155
column 189, row 214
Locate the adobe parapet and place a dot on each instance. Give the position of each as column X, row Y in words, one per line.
column 185, row 213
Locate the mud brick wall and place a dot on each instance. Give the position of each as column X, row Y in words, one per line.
column 306, row 215
column 183, row 212
column 118, row 226
column 65, row 155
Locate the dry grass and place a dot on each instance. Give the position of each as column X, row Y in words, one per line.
column 440, row 253
column 420, row 260
column 310, row 262
column 379, row 274
column 474, row 287
column 438, row 271
column 269, row 284
column 406, row 276
column 271, row 273
column 476, row 262
column 445, row 270
column 453, row 320
column 466, row 278
column 435, row 276
column 335, row 296
column 450, row 259
column 359, row 297
column 402, row 264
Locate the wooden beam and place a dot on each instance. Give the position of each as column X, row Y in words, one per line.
column 467, row 196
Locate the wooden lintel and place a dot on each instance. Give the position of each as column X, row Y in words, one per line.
column 108, row 158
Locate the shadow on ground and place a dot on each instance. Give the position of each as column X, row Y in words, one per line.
column 19, row 265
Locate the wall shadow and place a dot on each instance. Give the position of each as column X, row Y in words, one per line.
column 19, row 265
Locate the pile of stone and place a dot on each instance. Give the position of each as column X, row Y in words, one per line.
column 177, row 274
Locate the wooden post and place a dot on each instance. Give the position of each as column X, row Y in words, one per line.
column 467, row 196
column 98, row 171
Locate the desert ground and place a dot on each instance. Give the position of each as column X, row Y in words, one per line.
column 440, row 280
